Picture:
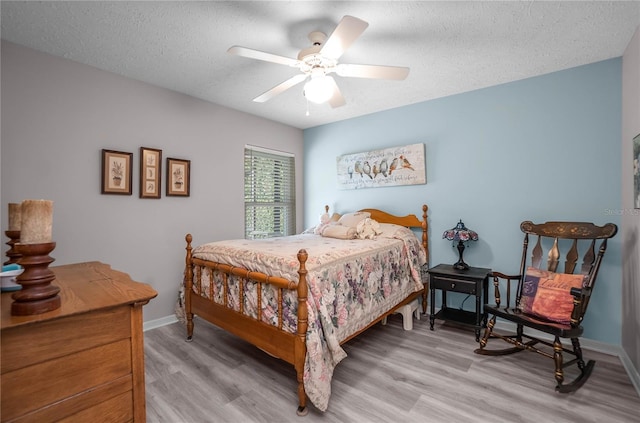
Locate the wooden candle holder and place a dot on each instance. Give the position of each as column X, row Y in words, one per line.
column 14, row 237
column 37, row 295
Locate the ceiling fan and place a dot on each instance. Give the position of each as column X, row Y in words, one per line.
column 320, row 60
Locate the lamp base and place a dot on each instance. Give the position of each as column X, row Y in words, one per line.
column 460, row 265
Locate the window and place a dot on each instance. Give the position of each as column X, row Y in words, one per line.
column 269, row 193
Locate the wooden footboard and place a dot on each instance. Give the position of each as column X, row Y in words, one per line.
column 290, row 347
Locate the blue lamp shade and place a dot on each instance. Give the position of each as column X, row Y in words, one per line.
column 460, row 234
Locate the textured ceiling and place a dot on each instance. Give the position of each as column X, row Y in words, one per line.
column 451, row 47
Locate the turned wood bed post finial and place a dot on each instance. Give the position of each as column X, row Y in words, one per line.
column 188, row 284
column 326, row 208
column 301, row 344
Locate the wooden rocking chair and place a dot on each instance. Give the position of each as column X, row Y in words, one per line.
column 550, row 302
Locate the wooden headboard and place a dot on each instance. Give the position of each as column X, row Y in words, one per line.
column 410, row 221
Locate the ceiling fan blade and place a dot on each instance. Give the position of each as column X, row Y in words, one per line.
column 336, row 99
column 347, row 31
column 278, row 89
column 372, row 71
column 261, row 55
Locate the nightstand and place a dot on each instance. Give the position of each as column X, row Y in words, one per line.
column 474, row 281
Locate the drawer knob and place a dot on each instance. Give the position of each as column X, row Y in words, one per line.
column 453, row 285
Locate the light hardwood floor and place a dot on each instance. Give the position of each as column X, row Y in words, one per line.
column 389, row 375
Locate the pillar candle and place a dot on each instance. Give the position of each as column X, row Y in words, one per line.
column 14, row 216
column 37, row 221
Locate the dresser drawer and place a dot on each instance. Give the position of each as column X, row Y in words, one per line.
column 50, row 383
column 24, row 346
column 450, row 284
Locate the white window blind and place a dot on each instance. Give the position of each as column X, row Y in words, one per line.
column 269, row 193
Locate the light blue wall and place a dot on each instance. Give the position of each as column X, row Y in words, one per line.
column 543, row 148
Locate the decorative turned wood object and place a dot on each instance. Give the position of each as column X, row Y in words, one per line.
column 12, row 253
column 13, row 231
column 37, row 295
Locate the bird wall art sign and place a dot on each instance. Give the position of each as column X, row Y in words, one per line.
column 393, row 166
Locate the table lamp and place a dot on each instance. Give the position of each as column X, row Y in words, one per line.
column 460, row 234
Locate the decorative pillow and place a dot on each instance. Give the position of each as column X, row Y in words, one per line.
column 336, row 230
column 325, row 218
column 368, row 229
column 324, row 221
column 352, row 219
column 311, row 230
column 547, row 294
column 318, row 229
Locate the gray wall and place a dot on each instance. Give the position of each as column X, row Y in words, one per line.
column 630, row 217
column 57, row 115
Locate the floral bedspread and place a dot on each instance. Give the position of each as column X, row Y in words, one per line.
column 351, row 283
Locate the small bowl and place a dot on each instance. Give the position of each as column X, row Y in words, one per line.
column 9, row 280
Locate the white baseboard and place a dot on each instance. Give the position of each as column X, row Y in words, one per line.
column 631, row 370
column 156, row 323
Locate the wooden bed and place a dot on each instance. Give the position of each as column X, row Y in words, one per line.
column 274, row 337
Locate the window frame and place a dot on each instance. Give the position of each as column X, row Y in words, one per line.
column 269, row 193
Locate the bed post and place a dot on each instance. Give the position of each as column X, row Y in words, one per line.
column 300, row 344
column 188, row 284
column 425, row 245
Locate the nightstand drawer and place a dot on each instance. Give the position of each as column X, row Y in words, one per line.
column 450, row 284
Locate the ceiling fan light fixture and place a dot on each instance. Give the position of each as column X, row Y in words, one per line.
column 319, row 89
column 321, row 59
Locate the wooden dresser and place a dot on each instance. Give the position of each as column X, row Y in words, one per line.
column 83, row 361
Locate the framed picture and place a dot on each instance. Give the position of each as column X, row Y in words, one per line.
column 178, row 174
column 150, row 172
column 116, row 172
column 402, row 165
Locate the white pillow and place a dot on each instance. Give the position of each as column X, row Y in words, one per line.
column 325, row 218
column 318, row 229
column 336, row 230
column 352, row 219
column 324, row 221
column 368, row 229
column 390, row 230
